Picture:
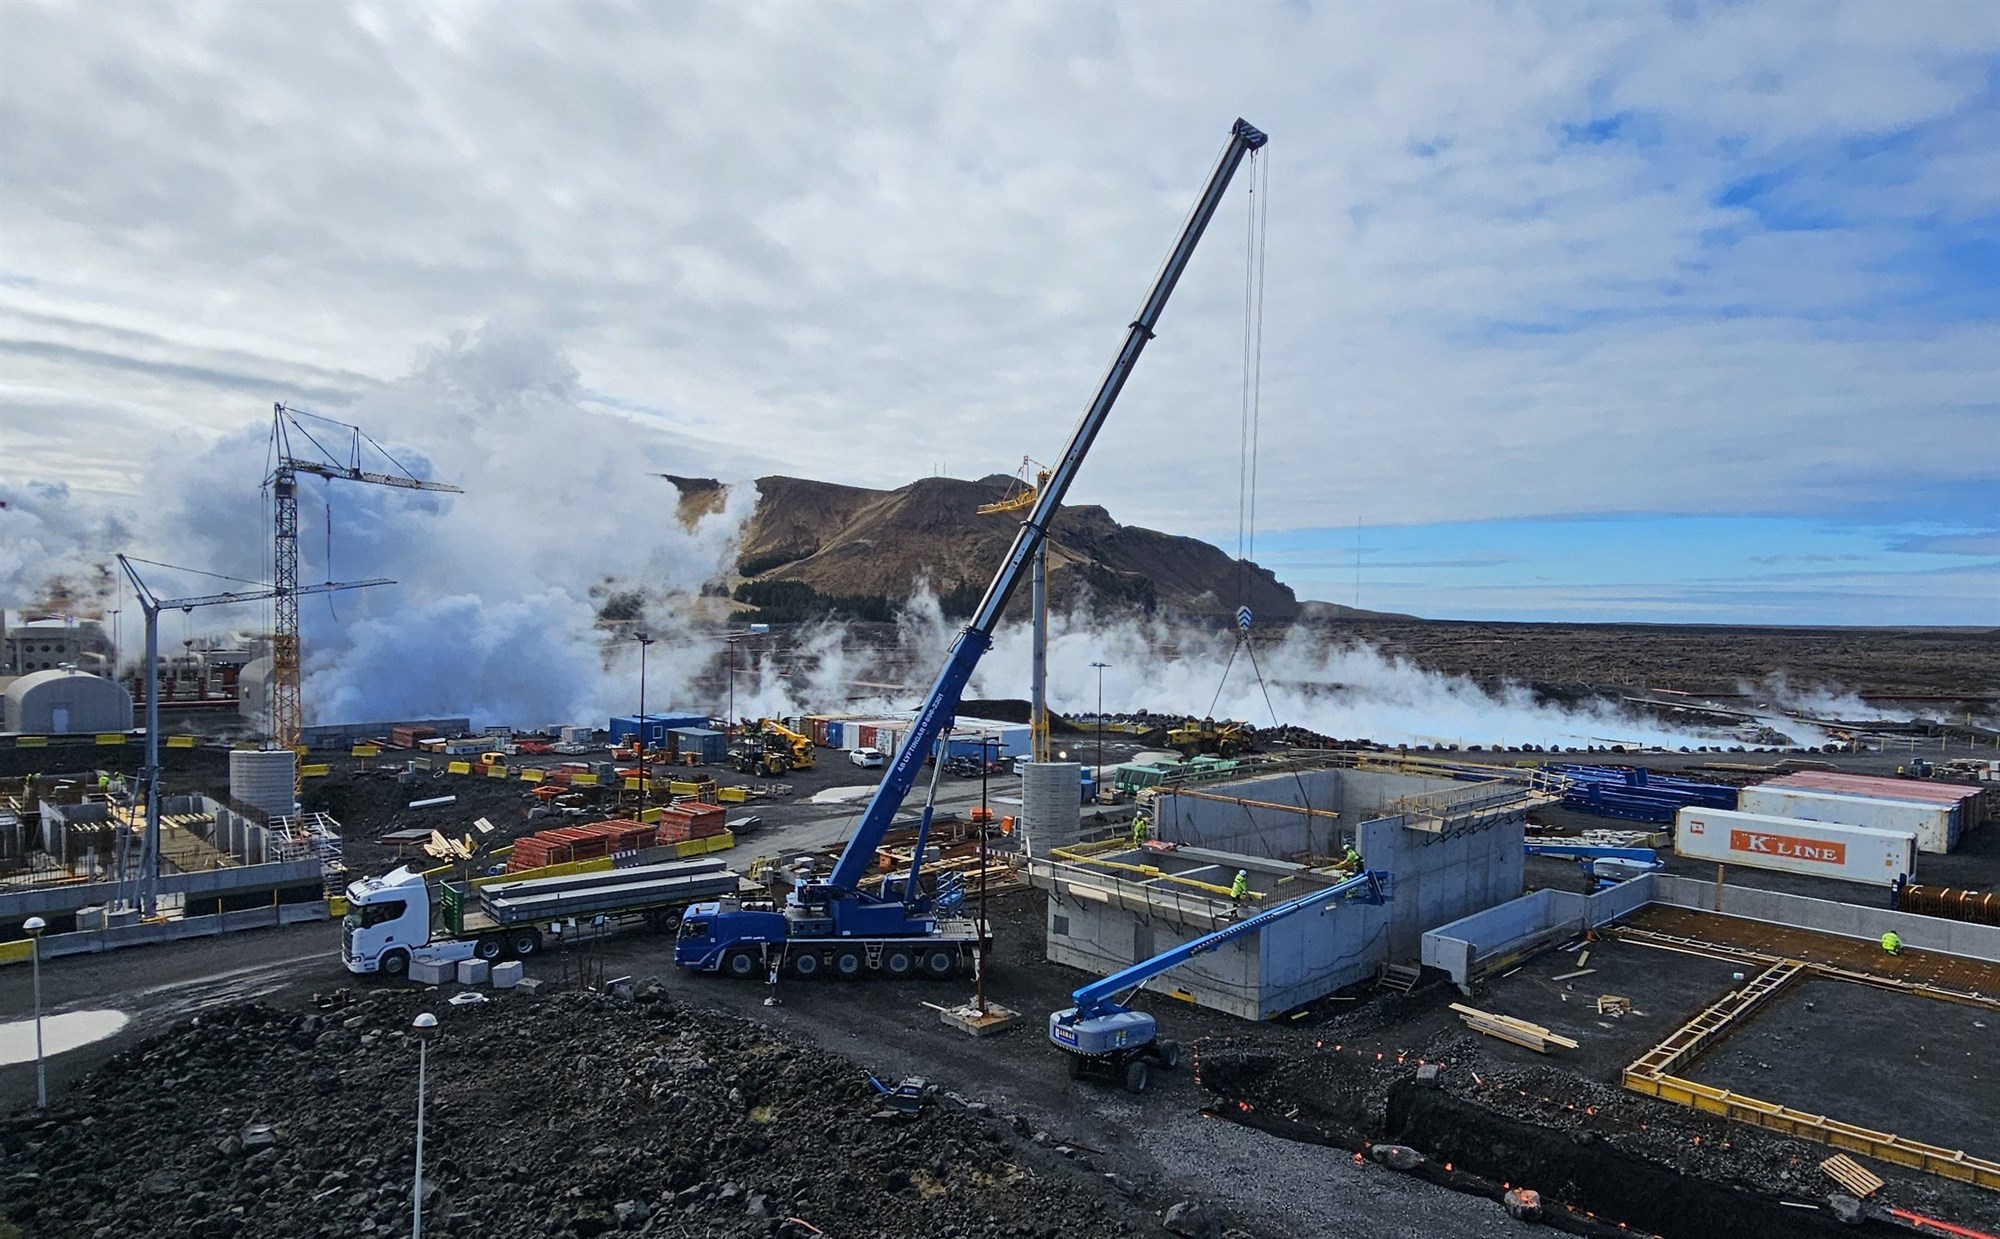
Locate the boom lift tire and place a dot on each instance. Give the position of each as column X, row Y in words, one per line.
column 1137, row 1076
column 1169, row 1053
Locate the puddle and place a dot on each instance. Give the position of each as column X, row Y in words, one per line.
column 843, row 795
column 67, row 1031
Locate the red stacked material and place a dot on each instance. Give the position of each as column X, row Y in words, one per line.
column 537, row 850
column 691, row 819
column 585, row 843
column 625, row 834
column 407, row 737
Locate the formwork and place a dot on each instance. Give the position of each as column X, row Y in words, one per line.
column 1777, row 959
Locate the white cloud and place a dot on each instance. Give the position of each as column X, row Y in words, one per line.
column 861, row 242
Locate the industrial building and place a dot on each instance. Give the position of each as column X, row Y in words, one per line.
column 49, row 644
column 65, row 702
column 1450, row 848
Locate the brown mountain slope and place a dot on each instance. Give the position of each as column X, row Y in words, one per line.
column 849, row 540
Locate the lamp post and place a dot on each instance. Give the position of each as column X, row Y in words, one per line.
column 35, row 925
column 425, row 1027
column 985, row 826
column 645, row 639
column 1097, row 774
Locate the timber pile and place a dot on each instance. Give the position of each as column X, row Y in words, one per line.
column 1507, row 1028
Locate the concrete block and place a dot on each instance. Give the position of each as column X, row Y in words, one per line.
column 507, row 975
column 472, row 971
column 429, row 974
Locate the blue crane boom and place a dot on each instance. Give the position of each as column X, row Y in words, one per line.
column 942, row 703
column 831, row 925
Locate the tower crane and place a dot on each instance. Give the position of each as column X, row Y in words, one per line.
column 833, row 925
column 152, row 605
column 287, row 665
column 1038, row 603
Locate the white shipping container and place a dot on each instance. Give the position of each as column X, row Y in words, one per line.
column 1795, row 845
column 1930, row 823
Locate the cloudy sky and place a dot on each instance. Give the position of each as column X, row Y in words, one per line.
column 1687, row 312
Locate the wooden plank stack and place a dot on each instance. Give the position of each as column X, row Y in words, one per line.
column 1507, row 1028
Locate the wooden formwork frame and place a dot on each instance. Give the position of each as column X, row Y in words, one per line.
column 1652, row 1074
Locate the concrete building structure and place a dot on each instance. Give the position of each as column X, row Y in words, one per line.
column 1451, row 849
column 64, row 702
column 49, row 644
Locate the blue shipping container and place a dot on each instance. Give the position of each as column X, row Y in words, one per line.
column 836, row 734
column 656, row 729
column 708, row 746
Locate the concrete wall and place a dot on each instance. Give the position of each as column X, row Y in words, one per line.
column 92, row 941
column 1274, row 833
column 1100, row 940
column 1459, row 947
column 1441, row 878
column 1311, row 954
column 63, row 900
column 1928, row 933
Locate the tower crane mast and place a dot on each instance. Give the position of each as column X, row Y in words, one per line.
column 288, row 426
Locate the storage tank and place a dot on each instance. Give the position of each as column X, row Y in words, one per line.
column 253, row 692
column 1051, row 805
column 1933, row 824
column 264, row 779
column 64, row 702
column 1794, row 845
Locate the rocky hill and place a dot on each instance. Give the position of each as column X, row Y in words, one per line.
column 855, row 543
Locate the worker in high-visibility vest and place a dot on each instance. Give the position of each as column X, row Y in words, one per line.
column 1892, row 943
column 1352, row 860
column 1139, row 831
column 1240, row 888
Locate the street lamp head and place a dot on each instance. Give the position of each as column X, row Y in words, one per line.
column 425, row 1026
column 34, row 925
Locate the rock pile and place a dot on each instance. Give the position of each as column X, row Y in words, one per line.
column 565, row 1115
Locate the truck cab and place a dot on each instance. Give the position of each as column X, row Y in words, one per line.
column 388, row 920
column 744, row 929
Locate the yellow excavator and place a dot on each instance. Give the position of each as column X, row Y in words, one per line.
column 1225, row 739
column 778, row 736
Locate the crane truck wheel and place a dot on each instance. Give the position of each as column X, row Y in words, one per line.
column 395, row 965
column 940, row 963
column 1168, row 1052
column 848, row 965
column 898, row 964
column 807, row 965
column 526, row 943
column 741, row 964
column 489, row 948
column 1137, row 1076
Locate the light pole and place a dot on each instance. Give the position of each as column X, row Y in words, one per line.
column 35, row 925
column 1097, row 774
column 425, row 1027
column 985, row 826
column 645, row 639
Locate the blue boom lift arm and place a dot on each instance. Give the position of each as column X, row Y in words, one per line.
column 1098, row 999
column 942, row 704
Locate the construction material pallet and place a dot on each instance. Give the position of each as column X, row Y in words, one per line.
column 1507, row 1028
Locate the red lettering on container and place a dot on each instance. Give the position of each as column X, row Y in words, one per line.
column 1763, row 843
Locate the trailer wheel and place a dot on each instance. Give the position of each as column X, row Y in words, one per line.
column 664, row 920
column 940, row 963
column 1168, row 1053
column 395, row 965
column 898, row 964
column 489, row 948
column 526, row 943
column 741, row 964
column 1137, row 1076
column 806, row 965
column 848, row 964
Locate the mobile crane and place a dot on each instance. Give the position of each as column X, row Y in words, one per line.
column 832, row 923
column 1101, row 1036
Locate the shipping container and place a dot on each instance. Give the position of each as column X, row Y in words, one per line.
column 1973, row 804
column 818, row 731
column 836, row 733
column 709, row 747
column 1934, row 825
column 1794, row 845
column 656, row 726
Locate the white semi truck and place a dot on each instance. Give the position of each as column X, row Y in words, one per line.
column 400, row 918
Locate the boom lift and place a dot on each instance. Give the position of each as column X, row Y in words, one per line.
column 898, row 928
column 1102, row 1036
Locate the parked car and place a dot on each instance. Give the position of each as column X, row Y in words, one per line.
column 869, row 758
